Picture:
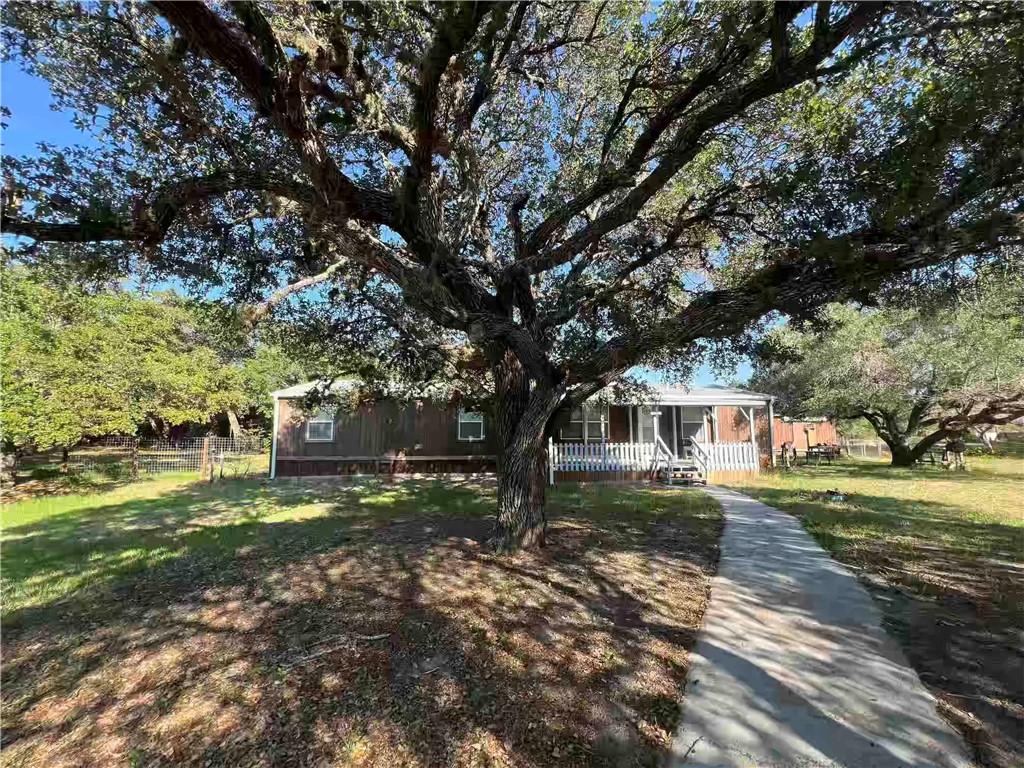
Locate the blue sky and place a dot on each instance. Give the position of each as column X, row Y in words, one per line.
column 33, row 121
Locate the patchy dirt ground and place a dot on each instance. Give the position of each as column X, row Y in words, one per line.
column 383, row 639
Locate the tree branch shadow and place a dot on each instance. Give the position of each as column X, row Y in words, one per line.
column 382, row 632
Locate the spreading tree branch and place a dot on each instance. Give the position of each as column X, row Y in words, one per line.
column 279, row 97
column 831, row 269
column 151, row 219
column 686, row 143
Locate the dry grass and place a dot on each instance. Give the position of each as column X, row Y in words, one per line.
column 943, row 553
column 368, row 626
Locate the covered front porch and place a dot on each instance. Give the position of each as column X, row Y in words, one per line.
column 685, row 435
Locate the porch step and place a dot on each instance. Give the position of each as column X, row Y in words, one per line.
column 686, row 473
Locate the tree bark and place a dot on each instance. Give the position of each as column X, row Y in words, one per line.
column 8, row 469
column 902, row 454
column 906, row 455
column 522, row 522
column 522, row 414
column 133, row 464
column 898, row 437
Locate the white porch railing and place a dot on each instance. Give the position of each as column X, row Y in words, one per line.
column 641, row 457
column 601, row 457
column 701, row 457
column 726, row 456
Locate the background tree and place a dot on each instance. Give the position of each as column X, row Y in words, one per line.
column 526, row 199
column 77, row 364
column 917, row 376
column 259, row 362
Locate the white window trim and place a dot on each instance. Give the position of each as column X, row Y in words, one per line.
column 458, row 429
column 317, row 420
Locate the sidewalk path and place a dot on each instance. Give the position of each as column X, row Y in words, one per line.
column 792, row 666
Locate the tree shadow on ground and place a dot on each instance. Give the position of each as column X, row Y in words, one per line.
column 377, row 631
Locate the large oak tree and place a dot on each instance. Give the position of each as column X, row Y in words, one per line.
column 525, row 199
column 918, row 375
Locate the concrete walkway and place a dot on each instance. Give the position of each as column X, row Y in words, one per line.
column 793, row 668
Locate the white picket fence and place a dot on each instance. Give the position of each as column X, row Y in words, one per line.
column 601, row 457
column 731, row 456
column 620, row 457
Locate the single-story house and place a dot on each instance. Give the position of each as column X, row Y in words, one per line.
column 713, row 430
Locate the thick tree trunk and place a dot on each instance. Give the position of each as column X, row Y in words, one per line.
column 521, row 498
column 522, row 413
column 8, row 469
column 906, row 455
column 133, row 462
column 902, row 455
column 898, row 437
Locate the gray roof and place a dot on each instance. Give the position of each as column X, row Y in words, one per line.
column 713, row 395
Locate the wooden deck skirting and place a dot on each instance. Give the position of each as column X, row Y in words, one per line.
column 610, row 476
column 731, row 475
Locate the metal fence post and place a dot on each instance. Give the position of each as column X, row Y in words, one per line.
column 134, row 448
column 204, row 458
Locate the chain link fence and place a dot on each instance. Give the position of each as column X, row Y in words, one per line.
column 206, row 457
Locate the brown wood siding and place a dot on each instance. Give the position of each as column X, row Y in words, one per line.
column 804, row 433
column 733, row 426
column 382, row 429
column 618, row 423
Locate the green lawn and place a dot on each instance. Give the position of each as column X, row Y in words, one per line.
column 944, row 554
column 176, row 623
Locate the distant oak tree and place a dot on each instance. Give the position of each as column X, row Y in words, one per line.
column 918, row 376
column 523, row 200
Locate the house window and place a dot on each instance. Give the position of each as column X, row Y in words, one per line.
column 471, row 425
column 597, row 423
column 320, row 428
column 587, row 424
column 573, row 430
column 645, row 424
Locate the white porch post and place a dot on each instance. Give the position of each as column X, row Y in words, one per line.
column 750, row 418
column 654, row 418
column 604, row 443
column 771, row 429
column 675, row 429
column 632, row 437
column 551, row 461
